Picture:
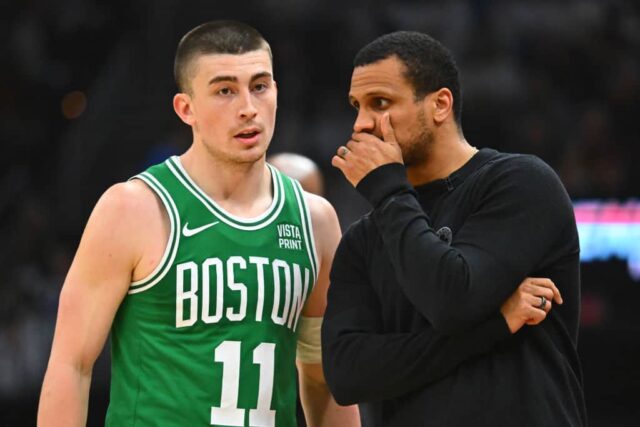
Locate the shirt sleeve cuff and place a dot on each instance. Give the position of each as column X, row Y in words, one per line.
column 383, row 182
column 498, row 324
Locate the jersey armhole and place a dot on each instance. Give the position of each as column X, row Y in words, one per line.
column 174, row 236
column 307, row 228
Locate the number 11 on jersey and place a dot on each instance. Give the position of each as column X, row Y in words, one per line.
column 228, row 413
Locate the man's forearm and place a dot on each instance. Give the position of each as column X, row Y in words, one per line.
column 365, row 366
column 458, row 283
column 363, row 360
column 440, row 281
column 64, row 397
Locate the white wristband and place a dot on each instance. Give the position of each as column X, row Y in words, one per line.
column 309, row 346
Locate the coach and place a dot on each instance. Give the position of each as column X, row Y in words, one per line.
column 413, row 330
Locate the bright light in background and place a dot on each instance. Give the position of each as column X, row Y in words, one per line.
column 609, row 230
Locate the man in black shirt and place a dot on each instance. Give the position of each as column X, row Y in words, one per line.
column 413, row 330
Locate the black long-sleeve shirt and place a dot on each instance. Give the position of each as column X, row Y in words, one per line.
column 412, row 329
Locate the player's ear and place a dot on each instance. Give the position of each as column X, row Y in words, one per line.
column 182, row 107
column 442, row 104
column 275, row 86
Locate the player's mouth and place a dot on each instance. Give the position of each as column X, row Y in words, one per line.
column 248, row 136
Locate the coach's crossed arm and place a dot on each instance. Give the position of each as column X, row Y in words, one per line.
column 361, row 363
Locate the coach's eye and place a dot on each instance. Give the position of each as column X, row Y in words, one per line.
column 380, row 103
column 225, row 91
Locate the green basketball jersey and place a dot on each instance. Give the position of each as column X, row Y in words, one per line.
column 209, row 337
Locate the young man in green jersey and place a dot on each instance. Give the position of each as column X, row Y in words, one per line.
column 209, row 269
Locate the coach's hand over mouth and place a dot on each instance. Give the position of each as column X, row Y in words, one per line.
column 365, row 152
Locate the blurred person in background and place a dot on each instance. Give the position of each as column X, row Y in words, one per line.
column 300, row 168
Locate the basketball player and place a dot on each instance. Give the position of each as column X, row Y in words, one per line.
column 207, row 268
column 453, row 231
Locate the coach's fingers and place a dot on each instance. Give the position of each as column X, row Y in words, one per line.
column 388, row 134
column 547, row 283
column 540, row 302
column 535, row 316
column 354, row 146
column 540, row 291
column 342, row 151
column 338, row 162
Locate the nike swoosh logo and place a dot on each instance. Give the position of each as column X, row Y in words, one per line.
column 188, row 232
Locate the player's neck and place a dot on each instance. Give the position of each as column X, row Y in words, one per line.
column 242, row 189
column 446, row 156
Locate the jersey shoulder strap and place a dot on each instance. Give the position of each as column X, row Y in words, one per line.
column 295, row 194
column 155, row 178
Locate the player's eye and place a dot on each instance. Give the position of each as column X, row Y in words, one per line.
column 224, row 91
column 260, row 87
column 356, row 105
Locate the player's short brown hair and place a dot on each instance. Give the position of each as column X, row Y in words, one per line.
column 213, row 37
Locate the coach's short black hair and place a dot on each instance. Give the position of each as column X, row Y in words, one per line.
column 429, row 65
column 214, row 37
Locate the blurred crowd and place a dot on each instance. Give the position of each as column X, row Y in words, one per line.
column 86, row 89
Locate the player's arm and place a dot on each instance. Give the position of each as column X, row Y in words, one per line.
column 96, row 283
column 319, row 406
column 363, row 362
column 524, row 214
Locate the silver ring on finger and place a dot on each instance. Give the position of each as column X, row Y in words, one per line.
column 543, row 303
column 343, row 151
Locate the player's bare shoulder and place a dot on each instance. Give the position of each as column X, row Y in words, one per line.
column 129, row 205
column 136, row 223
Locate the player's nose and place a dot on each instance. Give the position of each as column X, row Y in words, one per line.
column 247, row 109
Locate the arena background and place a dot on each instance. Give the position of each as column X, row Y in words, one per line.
column 86, row 88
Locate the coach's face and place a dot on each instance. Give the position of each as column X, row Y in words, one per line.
column 382, row 87
column 232, row 105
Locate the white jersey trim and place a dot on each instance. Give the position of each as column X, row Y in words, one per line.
column 231, row 220
column 174, row 236
column 305, row 217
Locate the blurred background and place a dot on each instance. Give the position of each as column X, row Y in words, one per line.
column 86, row 89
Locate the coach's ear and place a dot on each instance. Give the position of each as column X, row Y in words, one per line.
column 182, row 107
column 440, row 103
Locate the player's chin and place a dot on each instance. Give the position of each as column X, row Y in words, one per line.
column 252, row 154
